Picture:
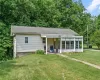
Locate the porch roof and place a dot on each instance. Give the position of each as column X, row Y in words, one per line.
column 60, row 35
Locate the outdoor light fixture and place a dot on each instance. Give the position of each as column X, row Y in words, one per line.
column 54, row 39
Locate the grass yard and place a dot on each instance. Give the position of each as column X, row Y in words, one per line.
column 46, row 67
column 87, row 55
column 93, row 47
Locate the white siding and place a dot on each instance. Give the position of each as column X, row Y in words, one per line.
column 14, row 44
column 34, row 43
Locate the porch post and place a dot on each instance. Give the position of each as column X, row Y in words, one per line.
column 60, row 45
column 69, row 44
column 78, row 43
column 14, row 44
column 46, row 45
column 74, row 43
column 82, row 44
column 65, row 43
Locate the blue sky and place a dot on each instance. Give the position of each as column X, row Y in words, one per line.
column 92, row 6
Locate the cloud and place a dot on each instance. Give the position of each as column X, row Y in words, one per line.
column 94, row 5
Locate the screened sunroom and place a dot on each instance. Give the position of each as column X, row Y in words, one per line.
column 72, row 44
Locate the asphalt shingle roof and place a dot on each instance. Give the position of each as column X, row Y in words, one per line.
column 40, row 30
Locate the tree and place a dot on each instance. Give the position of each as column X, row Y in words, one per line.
column 96, row 38
column 97, row 22
column 5, row 42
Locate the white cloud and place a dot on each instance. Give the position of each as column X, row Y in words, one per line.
column 94, row 5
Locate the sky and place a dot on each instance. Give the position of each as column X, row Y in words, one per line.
column 92, row 6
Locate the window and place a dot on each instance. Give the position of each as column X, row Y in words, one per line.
column 80, row 44
column 67, row 44
column 43, row 39
column 76, row 45
column 63, row 44
column 26, row 39
column 72, row 44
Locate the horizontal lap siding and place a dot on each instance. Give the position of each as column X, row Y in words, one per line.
column 34, row 43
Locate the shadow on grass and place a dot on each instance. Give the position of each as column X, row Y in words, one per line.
column 7, row 66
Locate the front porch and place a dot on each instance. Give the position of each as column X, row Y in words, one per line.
column 59, row 44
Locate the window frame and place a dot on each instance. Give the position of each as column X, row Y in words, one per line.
column 26, row 39
column 67, row 44
column 72, row 44
column 63, row 44
column 76, row 44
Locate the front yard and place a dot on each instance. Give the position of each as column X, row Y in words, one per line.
column 88, row 55
column 46, row 67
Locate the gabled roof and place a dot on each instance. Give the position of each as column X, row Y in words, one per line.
column 40, row 30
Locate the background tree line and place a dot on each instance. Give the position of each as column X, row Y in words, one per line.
column 45, row 13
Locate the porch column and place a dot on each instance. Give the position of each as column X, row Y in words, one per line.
column 60, row 45
column 74, row 43
column 46, row 45
column 82, row 44
column 14, row 44
column 65, row 43
column 70, row 44
column 78, row 43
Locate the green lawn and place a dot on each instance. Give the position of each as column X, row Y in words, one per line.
column 93, row 47
column 88, row 55
column 46, row 67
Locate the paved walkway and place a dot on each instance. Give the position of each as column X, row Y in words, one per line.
column 84, row 62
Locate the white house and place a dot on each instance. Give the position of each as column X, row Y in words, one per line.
column 51, row 40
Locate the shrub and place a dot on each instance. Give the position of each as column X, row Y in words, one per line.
column 39, row 52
